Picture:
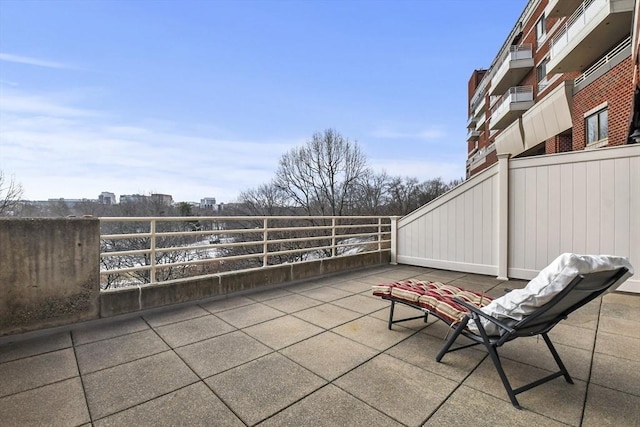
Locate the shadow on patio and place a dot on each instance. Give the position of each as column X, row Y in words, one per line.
column 317, row 353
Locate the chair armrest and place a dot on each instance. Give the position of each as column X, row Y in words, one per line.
column 481, row 313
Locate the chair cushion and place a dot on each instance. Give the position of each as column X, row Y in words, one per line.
column 519, row 303
column 433, row 296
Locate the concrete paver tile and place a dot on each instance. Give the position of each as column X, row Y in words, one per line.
column 327, row 315
column 193, row 330
column 556, row 399
column 354, row 286
column 215, row 355
column 606, row 407
column 533, row 351
column 35, row 371
column 226, row 304
column 618, row 346
column 373, row 332
column 115, row 351
column 616, row 373
column 361, row 303
column 248, row 315
column 268, row 294
column 194, row 405
column 174, row 315
column 106, row 330
column 282, row 332
column 470, row 407
column 394, row 387
column 326, row 293
column 626, row 327
column 259, row 389
column 124, row 386
column 330, row 406
column 61, row 403
column 329, row 355
column 19, row 349
column 421, row 350
column 573, row 336
column 292, row 303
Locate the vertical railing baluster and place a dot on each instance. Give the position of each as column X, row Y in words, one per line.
column 152, row 271
column 333, row 237
column 265, row 245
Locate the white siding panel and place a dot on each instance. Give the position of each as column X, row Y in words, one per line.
column 488, row 227
column 542, row 217
column 530, row 214
column 622, row 207
column 607, row 207
column 593, row 192
column 579, row 243
column 517, row 229
column 566, row 208
column 555, row 213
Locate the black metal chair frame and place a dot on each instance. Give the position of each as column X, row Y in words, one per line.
column 582, row 289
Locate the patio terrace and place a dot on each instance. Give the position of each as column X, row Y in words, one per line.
column 317, row 353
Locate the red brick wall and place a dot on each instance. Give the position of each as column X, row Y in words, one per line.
column 615, row 88
column 558, row 144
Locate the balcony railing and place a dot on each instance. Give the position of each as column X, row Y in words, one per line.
column 149, row 250
column 473, row 135
column 576, row 22
column 603, row 61
column 515, row 65
column 513, row 95
column 592, row 29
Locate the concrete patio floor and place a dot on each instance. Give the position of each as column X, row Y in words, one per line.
column 318, row 353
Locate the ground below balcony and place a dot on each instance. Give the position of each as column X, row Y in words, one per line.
column 317, row 353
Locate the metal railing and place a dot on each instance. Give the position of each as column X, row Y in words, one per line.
column 148, row 250
column 514, row 94
column 603, row 61
column 575, row 23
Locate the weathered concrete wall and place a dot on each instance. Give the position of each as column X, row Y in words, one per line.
column 49, row 272
column 121, row 301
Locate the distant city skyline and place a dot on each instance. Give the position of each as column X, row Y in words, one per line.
column 201, row 99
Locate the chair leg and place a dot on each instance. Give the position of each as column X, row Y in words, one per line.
column 452, row 338
column 393, row 305
column 556, row 356
column 493, row 353
column 495, row 358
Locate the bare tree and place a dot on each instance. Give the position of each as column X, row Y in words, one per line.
column 10, row 195
column 323, row 176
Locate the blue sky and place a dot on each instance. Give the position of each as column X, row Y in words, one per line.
column 202, row 98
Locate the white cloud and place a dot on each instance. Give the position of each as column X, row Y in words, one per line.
column 19, row 59
column 426, row 134
column 59, row 150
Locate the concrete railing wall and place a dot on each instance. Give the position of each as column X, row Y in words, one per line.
column 49, row 272
column 50, row 276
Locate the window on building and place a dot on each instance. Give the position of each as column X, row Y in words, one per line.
column 541, row 74
column 541, row 29
column 597, row 126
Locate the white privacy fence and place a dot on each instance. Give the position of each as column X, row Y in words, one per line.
column 514, row 218
column 148, row 250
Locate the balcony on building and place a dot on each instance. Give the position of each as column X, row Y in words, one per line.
column 513, row 104
column 473, row 120
column 594, row 27
column 473, row 135
column 514, row 67
column 560, row 8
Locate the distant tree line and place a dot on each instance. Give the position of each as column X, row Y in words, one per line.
column 329, row 175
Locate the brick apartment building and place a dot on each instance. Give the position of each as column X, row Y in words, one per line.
column 564, row 80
